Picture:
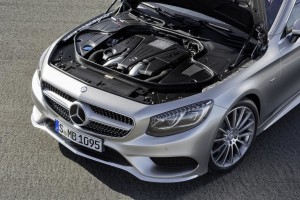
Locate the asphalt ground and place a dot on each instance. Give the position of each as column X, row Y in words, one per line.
column 35, row 166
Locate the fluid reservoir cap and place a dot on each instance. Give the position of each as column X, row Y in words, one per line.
column 87, row 48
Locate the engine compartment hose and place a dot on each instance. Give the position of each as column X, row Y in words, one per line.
column 159, row 76
column 96, row 57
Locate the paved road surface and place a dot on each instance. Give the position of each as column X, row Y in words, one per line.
column 34, row 166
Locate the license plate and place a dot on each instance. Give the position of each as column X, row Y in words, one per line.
column 79, row 138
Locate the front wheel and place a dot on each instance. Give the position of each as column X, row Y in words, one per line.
column 235, row 137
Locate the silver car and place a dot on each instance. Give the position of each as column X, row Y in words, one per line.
column 167, row 90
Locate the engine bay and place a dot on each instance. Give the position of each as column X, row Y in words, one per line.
column 138, row 57
column 144, row 53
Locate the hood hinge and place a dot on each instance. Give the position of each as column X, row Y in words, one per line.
column 262, row 42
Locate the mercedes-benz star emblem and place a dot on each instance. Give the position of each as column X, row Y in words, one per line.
column 77, row 114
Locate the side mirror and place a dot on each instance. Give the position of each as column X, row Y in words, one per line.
column 295, row 32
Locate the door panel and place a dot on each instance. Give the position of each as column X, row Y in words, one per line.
column 290, row 63
column 290, row 68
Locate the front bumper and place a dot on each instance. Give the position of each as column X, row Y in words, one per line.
column 137, row 148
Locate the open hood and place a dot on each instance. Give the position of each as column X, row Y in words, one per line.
column 133, row 55
column 242, row 14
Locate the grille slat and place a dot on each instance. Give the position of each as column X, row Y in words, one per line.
column 57, row 91
column 112, row 115
column 93, row 126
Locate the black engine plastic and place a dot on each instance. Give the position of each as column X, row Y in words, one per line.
column 141, row 55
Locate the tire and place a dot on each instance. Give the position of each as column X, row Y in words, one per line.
column 235, row 137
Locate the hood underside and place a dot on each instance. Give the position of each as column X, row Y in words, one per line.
column 242, row 14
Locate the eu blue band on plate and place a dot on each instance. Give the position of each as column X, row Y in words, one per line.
column 56, row 126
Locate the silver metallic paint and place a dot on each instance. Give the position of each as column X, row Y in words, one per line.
column 271, row 78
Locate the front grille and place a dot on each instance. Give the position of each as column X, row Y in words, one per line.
column 95, row 127
column 98, row 110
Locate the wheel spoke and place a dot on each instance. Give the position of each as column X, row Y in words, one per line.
column 226, row 156
column 228, row 123
column 221, row 154
column 244, row 121
column 246, row 126
column 234, row 118
column 231, row 160
column 238, row 150
column 222, row 130
column 243, row 143
column 240, row 117
column 219, row 148
column 220, row 139
column 245, row 134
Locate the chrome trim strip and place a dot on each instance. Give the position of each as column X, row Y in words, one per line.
column 108, row 121
column 57, row 98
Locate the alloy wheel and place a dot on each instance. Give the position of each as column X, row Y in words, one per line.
column 234, row 137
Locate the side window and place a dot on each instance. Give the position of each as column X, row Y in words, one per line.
column 272, row 9
column 293, row 18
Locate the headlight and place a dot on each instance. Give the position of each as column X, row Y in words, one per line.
column 40, row 67
column 179, row 120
